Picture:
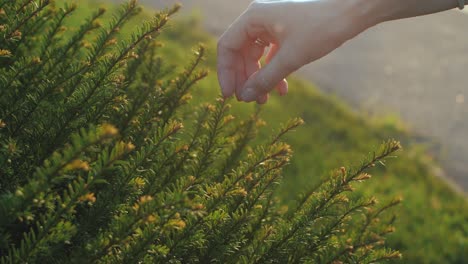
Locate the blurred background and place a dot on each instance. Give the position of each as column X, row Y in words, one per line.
column 415, row 69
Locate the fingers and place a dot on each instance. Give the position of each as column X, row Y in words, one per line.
column 282, row 87
column 270, row 76
column 241, row 77
column 227, row 72
column 238, row 65
column 229, row 46
column 271, row 53
column 252, row 55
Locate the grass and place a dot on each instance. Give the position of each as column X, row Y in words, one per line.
column 432, row 225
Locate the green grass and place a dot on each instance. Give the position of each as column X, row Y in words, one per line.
column 432, row 223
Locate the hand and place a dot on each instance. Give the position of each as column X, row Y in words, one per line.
column 297, row 33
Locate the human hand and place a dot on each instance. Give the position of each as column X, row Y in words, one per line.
column 297, row 31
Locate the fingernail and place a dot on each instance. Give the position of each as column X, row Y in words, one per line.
column 249, row 95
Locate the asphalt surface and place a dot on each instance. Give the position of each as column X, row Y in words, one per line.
column 416, row 68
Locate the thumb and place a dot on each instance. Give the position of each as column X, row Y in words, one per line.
column 268, row 77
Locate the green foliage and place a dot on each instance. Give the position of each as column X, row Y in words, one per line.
column 96, row 166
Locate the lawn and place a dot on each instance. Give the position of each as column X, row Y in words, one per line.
column 432, row 222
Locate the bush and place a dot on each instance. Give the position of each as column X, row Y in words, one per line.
column 96, row 165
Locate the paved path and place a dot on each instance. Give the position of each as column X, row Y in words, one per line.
column 417, row 68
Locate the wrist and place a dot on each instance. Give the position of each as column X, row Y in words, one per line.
column 379, row 11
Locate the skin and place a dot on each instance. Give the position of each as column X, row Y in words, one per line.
column 294, row 33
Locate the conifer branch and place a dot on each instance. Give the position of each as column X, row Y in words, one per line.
column 245, row 134
column 41, row 6
column 387, row 149
column 233, row 229
column 77, row 189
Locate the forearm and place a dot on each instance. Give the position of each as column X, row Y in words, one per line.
column 385, row 10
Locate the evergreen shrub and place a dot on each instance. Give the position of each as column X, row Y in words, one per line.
column 96, row 165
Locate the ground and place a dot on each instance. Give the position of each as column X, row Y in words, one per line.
column 414, row 68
